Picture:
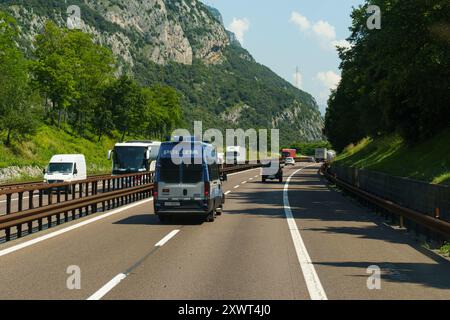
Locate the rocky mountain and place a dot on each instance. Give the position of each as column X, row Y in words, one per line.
column 183, row 43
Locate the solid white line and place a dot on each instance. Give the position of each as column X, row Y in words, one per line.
column 228, row 192
column 108, row 287
column 315, row 289
column 73, row 227
column 167, row 238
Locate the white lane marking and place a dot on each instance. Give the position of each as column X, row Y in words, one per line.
column 256, row 176
column 108, row 287
column 244, row 182
column 73, row 227
column 315, row 289
column 228, row 192
column 167, row 238
column 250, row 179
column 235, row 187
column 121, row 276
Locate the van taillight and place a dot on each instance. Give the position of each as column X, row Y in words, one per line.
column 155, row 191
column 207, row 189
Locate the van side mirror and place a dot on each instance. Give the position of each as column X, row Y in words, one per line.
column 147, row 154
column 75, row 171
column 109, row 154
column 224, row 177
column 153, row 166
column 44, row 171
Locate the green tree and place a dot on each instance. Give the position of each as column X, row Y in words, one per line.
column 396, row 79
column 17, row 115
column 55, row 70
column 127, row 103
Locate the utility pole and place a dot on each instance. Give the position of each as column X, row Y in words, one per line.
column 297, row 78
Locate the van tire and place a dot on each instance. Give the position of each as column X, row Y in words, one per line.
column 220, row 211
column 211, row 216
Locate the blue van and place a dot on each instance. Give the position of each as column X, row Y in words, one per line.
column 188, row 181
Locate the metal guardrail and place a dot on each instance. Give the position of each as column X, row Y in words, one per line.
column 19, row 185
column 434, row 224
column 49, row 201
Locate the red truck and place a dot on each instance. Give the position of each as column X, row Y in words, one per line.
column 286, row 153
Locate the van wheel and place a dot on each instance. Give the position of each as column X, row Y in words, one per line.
column 211, row 216
column 281, row 180
column 219, row 211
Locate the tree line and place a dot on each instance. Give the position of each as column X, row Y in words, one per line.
column 395, row 79
column 71, row 82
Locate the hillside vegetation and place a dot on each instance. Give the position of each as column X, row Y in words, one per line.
column 36, row 151
column 428, row 160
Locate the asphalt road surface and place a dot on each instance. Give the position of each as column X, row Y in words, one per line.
column 295, row 240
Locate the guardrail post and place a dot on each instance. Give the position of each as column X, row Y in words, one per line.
column 30, row 199
column 19, row 231
column 40, row 201
column 8, row 203
column 49, row 196
column 20, row 204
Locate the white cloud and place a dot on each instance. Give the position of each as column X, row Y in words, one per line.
column 301, row 21
column 298, row 80
column 329, row 79
column 323, row 29
column 239, row 27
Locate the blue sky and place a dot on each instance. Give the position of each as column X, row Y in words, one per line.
column 285, row 34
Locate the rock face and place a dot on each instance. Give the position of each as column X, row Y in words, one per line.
column 187, row 42
column 162, row 30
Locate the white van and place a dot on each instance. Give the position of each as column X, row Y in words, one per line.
column 65, row 168
column 188, row 181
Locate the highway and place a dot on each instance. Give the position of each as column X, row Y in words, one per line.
column 297, row 240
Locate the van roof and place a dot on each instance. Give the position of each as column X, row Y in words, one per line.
column 137, row 144
column 66, row 157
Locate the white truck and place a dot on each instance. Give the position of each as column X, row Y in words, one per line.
column 65, row 168
column 321, row 154
column 134, row 156
column 235, row 155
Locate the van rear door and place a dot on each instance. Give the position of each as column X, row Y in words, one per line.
column 180, row 182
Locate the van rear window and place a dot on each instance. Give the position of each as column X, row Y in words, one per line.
column 192, row 173
column 185, row 173
column 169, row 172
